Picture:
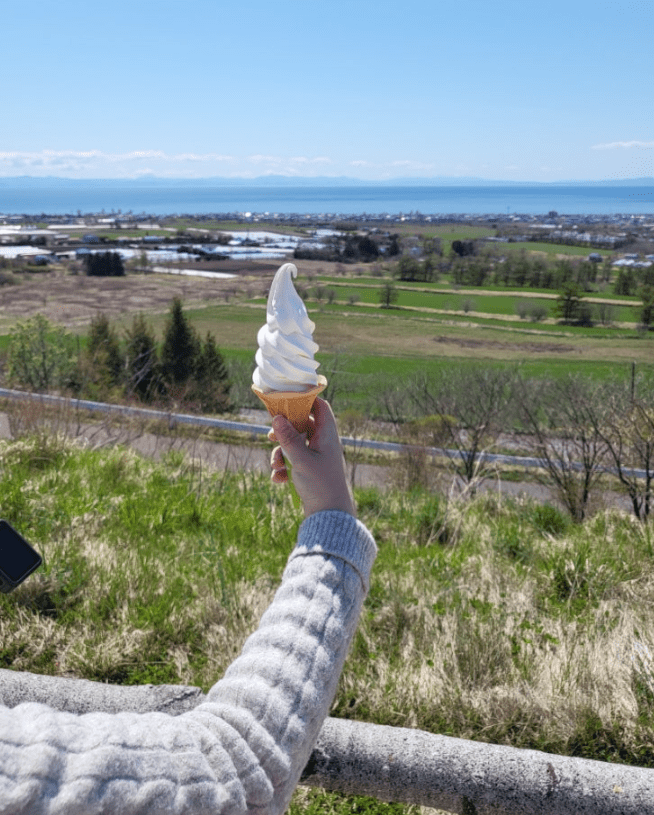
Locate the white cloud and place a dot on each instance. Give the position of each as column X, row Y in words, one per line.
column 622, row 144
column 262, row 159
column 408, row 164
column 97, row 163
column 305, row 160
column 295, row 160
column 83, row 163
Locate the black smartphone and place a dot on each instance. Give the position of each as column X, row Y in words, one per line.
column 17, row 558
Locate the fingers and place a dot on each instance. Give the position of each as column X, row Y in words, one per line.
column 279, row 477
column 324, row 432
column 277, row 460
column 320, row 413
column 310, row 431
column 279, row 474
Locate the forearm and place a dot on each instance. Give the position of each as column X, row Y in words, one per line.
column 287, row 674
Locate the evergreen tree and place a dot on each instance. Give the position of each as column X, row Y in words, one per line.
column 116, row 265
column 104, row 264
column 625, row 282
column 463, row 248
column 569, row 303
column 647, row 309
column 142, row 362
column 181, row 348
column 212, row 385
column 103, row 352
column 430, row 269
column 393, row 246
column 388, row 295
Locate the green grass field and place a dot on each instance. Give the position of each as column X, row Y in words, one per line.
column 552, row 249
column 368, row 348
column 471, row 301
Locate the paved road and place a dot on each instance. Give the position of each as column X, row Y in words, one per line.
column 219, row 456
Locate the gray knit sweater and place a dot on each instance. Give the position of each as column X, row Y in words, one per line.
column 240, row 751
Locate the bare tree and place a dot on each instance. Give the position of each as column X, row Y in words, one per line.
column 396, row 403
column 335, row 369
column 627, row 429
column 562, row 419
column 354, row 424
column 473, row 404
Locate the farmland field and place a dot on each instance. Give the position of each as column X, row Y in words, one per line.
column 430, row 326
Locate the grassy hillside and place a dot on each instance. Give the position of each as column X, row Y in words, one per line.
column 491, row 619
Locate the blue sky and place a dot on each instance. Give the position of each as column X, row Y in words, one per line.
column 520, row 90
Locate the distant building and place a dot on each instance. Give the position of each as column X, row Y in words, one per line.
column 42, row 260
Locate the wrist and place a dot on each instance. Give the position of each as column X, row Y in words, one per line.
column 342, row 503
column 339, row 534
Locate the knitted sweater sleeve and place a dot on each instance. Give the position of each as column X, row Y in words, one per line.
column 244, row 748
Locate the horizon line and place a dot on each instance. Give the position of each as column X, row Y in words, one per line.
column 317, row 178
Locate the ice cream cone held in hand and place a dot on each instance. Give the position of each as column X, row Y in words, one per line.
column 285, row 378
column 296, row 407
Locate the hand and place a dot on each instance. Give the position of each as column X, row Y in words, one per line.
column 317, row 460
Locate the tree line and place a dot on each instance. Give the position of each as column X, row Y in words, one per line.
column 185, row 370
column 572, row 279
column 587, row 435
column 350, row 248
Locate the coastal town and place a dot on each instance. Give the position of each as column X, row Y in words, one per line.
column 46, row 239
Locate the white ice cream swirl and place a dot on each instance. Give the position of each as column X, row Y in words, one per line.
column 286, row 349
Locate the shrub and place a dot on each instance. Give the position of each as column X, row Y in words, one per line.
column 549, row 520
column 40, row 355
column 538, row 312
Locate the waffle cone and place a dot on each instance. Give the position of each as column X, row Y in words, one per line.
column 295, row 406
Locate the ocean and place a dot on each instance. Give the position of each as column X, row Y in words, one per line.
column 96, row 197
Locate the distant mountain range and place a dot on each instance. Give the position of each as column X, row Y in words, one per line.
column 313, row 181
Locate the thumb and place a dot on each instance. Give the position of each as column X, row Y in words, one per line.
column 292, row 442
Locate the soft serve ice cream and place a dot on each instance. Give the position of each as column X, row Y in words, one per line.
column 285, row 378
column 285, row 359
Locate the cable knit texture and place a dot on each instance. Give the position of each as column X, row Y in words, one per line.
column 240, row 751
